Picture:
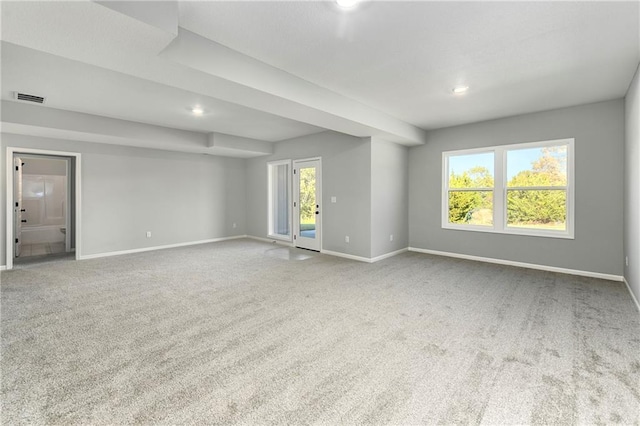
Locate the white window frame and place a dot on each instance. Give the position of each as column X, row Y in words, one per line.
column 270, row 200
column 500, row 190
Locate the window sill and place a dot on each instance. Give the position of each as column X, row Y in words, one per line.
column 510, row 231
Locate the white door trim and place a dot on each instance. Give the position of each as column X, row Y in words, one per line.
column 10, row 201
column 296, row 196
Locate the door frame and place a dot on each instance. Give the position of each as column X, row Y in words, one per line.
column 67, row 161
column 296, row 198
column 9, row 212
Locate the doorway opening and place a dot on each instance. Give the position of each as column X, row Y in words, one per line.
column 307, row 181
column 42, row 206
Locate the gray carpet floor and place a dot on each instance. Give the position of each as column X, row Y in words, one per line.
column 243, row 332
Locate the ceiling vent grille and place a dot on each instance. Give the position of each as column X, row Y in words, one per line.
column 28, row 98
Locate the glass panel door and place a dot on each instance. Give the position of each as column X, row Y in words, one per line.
column 307, row 204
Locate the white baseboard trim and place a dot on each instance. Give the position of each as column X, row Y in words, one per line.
column 364, row 259
column 270, row 240
column 332, row 253
column 347, row 256
column 388, row 255
column 521, row 264
column 633, row 296
column 140, row 250
column 3, row 268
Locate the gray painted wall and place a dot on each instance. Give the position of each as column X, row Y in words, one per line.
column 389, row 197
column 346, row 174
column 632, row 185
column 127, row 191
column 598, row 130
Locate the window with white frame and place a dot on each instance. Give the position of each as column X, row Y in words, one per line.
column 522, row 189
column 279, row 181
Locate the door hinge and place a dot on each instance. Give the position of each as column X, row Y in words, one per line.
column 294, row 237
column 17, row 204
column 294, row 171
column 17, row 168
column 294, row 204
column 16, row 241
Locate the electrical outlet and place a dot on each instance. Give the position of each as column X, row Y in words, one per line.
column 391, row 237
column 148, row 234
column 346, row 238
column 626, row 260
column 334, row 199
column 234, row 225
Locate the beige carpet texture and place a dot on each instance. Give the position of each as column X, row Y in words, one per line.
column 246, row 332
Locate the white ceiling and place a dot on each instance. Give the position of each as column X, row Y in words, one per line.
column 277, row 70
column 404, row 58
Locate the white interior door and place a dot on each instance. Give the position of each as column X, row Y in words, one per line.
column 17, row 208
column 307, row 204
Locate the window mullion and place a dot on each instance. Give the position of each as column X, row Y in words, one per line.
column 499, row 192
column 470, row 189
column 537, row 188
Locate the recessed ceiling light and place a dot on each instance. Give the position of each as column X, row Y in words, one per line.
column 460, row 89
column 347, row 4
column 197, row 110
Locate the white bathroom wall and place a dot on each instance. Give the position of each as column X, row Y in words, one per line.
column 44, row 191
column 44, row 199
column 40, row 165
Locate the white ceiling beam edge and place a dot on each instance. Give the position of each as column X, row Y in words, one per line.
column 283, row 90
column 163, row 15
column 221, row 140
column 33, row 120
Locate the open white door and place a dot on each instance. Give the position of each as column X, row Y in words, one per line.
column 67, row 207
column 307, row 212
column 18, row 209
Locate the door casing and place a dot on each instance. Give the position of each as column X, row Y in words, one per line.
column 10, row 206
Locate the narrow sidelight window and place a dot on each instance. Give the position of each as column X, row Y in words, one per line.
column 279, row 180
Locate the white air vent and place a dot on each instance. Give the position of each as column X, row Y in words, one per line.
column 28, row 98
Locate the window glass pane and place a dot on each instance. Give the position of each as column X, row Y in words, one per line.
column 544, row 166
column 471, row 171
column 471, row 207
column 308, row 206
column 537, row 209
column 279, row 177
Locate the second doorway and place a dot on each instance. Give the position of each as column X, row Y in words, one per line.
column 307, row 204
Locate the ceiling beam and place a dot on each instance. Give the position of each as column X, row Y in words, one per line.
column 122, row 40
column 34, row 120
column 278, row 92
